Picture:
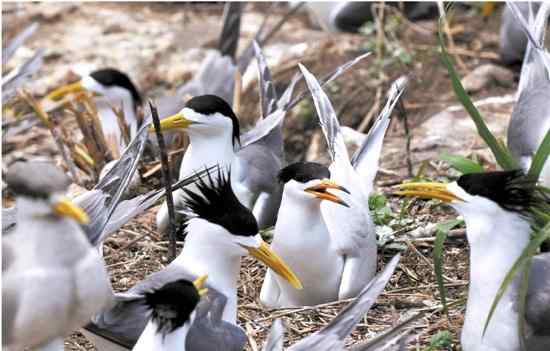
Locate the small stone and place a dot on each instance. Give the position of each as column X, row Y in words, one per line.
column 481, row 77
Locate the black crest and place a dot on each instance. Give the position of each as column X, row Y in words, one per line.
column 210, row 104
column 218, row 204
column 111, row 76
column 172, row 304
column 512, row 190
column 36, row 179
column 303, row 172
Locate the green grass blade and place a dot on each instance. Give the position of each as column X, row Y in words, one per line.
column 522, row 301
column 522, row 261
column 501, row 153
column 540, row 157
column 462, row 164
column 442, row 230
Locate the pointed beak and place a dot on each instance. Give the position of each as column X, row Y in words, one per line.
column 65, row 208
column 199, row 282
column 65, row 90
column 432, row 190
column 176, row 121
column 320, row 191
column 273, row 261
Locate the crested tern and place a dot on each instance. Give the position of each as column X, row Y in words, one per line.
column 219, row 231
column 495, row 207
column 50, row 269
column 530, row 120
column 344, row 241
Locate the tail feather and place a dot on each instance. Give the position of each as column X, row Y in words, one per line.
column 231, row 30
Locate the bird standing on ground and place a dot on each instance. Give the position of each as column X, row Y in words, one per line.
column 530, row 120
column 49, row 269
column 495, row 207
column 219, row 231
column 344, row 241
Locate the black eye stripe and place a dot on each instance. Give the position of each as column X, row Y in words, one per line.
column 303, row 172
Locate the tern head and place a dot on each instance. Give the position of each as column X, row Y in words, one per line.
column 310, row 182
column 40, row 188
column 228, row 225
column 206, row 116
column 483, row 194
column 174, row 303
column 110, row 83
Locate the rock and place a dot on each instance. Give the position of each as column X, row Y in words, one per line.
column 484, row 75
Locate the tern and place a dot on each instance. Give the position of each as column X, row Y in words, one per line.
column 219, row 231
column 530, row 120
column 215, row 138
column 332, row 336
column 340, row 239
column 52, row 278
column 495, row 207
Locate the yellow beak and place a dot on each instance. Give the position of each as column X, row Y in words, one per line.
column 428, row 191
column 173, row 122
column 64, row 207
column 320, row 191
column 273, row 261
column 64, row 90
column 199, row 282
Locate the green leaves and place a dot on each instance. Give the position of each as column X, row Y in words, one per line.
column 442, row 230
column 537, row 164
column 381, row 213
column 462, row 164
column 501, row 153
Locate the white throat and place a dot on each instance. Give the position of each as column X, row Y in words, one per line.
column 150, row 339
column 495, row 244
column 201, row 255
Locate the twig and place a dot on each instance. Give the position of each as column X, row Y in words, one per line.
column 56, row 137
column 167, row 182
column 449, row 34
column 403, row 113
column 237, row 92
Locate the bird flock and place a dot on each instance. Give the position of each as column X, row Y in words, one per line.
column 233, row 184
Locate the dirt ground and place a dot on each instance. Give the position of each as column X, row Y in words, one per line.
column 161, row 45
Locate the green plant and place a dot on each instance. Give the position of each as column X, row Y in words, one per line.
column 382, row 214
column 462, row 164
column 440, row 340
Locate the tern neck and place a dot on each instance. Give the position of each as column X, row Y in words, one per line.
column 206, row 151
column 201, row 255
column 495, row 244
column 151, row 339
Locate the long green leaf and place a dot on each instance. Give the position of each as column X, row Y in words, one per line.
column 540, row 157
column 462, row 164
column 522, row 261
column 442, row 230
column 501, row 153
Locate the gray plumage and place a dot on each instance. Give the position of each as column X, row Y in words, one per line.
column 50, row 270
column 124, row 323
column 17, row 41
column 512, row 39
column 36, row 179
column 229, row 37
column 530, row 120
column 537, row 308
column 9, row 219
column 275, row 339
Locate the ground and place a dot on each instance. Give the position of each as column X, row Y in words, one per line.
column 161, row 45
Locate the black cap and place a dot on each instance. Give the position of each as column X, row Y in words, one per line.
column 210, row 104
column 110, row 76
column 303, row 172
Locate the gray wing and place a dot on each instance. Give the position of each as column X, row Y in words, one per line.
column 268, row 95
column 365, row 159
column 209, row 331
column 229, row 37
column 16, row 77
column 125, row 321
column 16, row 42
column 537, row 309
column 216, row 76
column 9, row 219
column 101, row 202
column 275, row 339
column 332, row 336
column 530, row 118
column 512, row 39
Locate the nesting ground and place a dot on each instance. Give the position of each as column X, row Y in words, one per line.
column 161, row 46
